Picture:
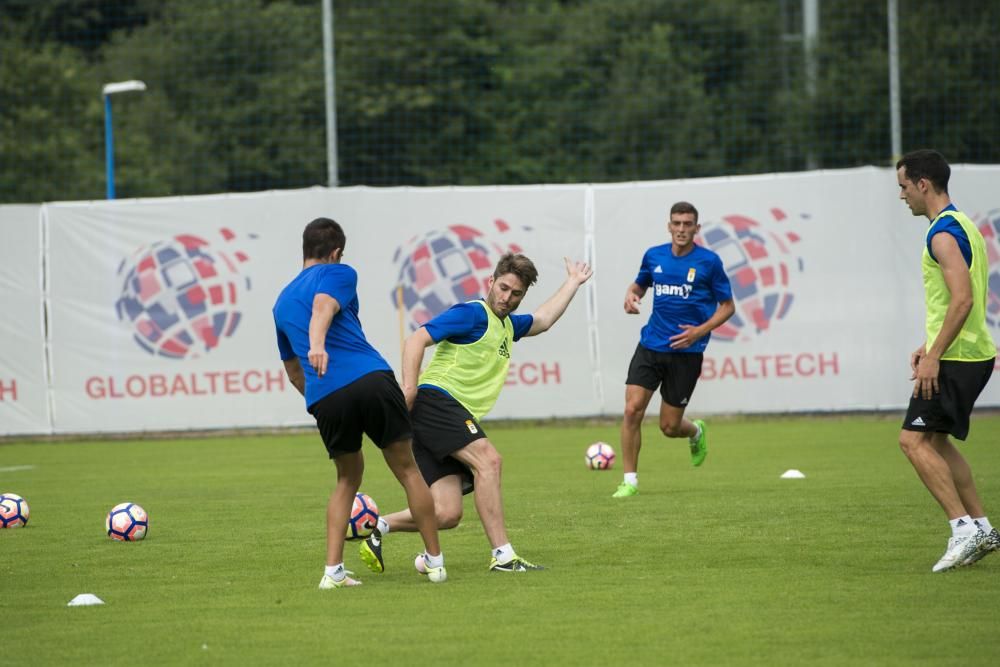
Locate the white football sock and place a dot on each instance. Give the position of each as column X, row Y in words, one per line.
column 434, row 561
column 336, row 571
column 984, row 524
column 697, row 433
column 504, row 553
column 632, row 478
column 383, row 526
column 962, row 526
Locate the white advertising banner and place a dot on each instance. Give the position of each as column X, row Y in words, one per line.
column 426, row 249
column 159, row 311
column 24, row 404
column 825, row 269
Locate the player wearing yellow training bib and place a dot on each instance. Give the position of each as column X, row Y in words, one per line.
column 954, row 364
column 460, row 385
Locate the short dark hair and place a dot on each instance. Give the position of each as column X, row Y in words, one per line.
column 321, row 237
column 929, row 164
column 684, row 207
column 520, row 266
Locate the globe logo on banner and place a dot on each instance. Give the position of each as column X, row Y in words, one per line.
column 445, row 267
column 181, row 296
column 989, row 226
column 761, row 264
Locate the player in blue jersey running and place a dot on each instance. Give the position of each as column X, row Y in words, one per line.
column 460, row 385
column 956, row 360
column 691, row 297
column 349, row 389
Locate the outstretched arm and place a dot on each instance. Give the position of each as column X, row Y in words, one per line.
column 690, row 333
column 577, row 273
column 413, row 356
column 325, row 307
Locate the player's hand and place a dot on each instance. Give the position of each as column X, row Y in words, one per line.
column 579, row 272
column 926, row 376
column 915, row 360
column 686, row 338
column 319, row 359
column 632, row 302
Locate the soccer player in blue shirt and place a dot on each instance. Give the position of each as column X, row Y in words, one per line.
column 349, row 389
column 691, row 297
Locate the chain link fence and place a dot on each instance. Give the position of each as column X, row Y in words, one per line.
column 432, row 92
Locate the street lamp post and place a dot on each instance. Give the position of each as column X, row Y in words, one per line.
column 107, row 91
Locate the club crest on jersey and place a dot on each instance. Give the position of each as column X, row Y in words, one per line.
column 471, row 425
column 691, row 273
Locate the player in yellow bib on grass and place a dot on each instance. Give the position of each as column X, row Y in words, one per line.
column 460, row 385
column 954, row 364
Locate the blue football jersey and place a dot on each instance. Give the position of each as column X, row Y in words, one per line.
column 466, row 323
column 685, row 290
column 949, row 225
column 351, row 355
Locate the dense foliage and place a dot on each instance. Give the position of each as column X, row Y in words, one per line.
column 476, row 91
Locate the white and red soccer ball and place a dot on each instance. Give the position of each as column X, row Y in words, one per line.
column 127, row 522
column 364, row 517
column 600, row 456
column 14, row 511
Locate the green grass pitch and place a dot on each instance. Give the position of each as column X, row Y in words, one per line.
column 722, row 565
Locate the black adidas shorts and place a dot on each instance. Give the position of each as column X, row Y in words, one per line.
column 675, row 373
column 372, row 404
column 442, row 426
column 948, row 411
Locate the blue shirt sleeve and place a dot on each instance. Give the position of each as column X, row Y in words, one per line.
column 339, row 281
column 522, row 324
column 645, row 278
column 949, row 225
column 721, row 288
column 284, row 346
column 463, row 323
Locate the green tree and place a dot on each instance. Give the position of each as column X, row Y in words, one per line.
column 86, row 25
column 414, row 87
column 51, row 135
column 234, row 102
column 476, row 91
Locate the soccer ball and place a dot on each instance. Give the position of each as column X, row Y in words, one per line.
column 127, row 522
column 600, row 456
column 14, row 510
column 364, row 517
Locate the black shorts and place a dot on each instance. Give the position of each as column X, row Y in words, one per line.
column 442, row 426
column 675, row 373
column 959, row 385
column 372, row 404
